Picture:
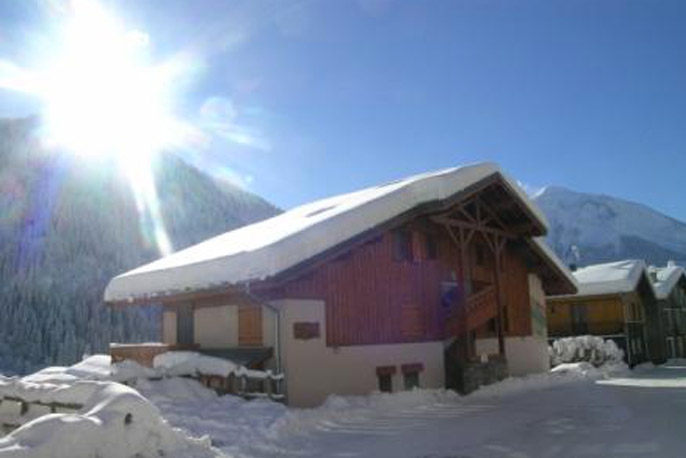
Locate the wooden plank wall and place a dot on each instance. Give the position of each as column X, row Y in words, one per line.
column 372, row 298
column 516, row 295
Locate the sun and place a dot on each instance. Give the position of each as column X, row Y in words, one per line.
column 103, row 99
column 105, row 102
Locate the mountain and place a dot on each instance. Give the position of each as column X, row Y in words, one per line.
column 67, row 227
column 606, row 228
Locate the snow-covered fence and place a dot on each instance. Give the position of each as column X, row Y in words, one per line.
column 22, row 401
column 246, row 383
column 112, row 421
column 592, row 349
column 219, row 374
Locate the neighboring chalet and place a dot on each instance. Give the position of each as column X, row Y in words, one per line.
column 435, row 280
column 670, row 288
column 615, row 301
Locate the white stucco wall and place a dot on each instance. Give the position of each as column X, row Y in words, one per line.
column 313, row 370
column 525, row 355
column 216, row 327
column 169, row 327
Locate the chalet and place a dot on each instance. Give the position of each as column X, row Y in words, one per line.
column 615, row 301
column 437, row 280
column 670, row 288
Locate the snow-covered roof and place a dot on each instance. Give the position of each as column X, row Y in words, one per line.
column 665, row 279
column 269, row 247
column 610, row 278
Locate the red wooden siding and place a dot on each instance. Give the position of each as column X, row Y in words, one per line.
column 371, row 298
column 516, row 295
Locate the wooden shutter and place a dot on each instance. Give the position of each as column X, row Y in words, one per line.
column 249, row 326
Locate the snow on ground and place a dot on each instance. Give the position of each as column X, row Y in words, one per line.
column 265, row 428
column 100, row 419
column 562, row 416
column 577, row 410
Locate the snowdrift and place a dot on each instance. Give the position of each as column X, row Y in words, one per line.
column 114, row 421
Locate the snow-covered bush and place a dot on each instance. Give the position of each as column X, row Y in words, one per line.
column 592, row 349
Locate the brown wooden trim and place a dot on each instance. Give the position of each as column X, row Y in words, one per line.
column 386, row 370
column 412, row 367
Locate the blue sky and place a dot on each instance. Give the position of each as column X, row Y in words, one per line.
column 337, row 95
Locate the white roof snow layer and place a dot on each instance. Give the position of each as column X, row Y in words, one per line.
column 264, row 249
column 667, row 278
column 609, row 278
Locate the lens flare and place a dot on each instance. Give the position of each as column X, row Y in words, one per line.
column 105, row 102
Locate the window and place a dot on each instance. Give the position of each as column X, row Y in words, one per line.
column 385, row 383
column 411, row 375
column 185, row 325
column 384, row 376
column 579, row 319
column 411, row 380
column 431, row 246
column 402, row 245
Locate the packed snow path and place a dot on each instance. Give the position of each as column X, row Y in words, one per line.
column 641, row 415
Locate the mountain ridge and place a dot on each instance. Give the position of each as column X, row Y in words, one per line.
column 607, row 228
column 67, row 228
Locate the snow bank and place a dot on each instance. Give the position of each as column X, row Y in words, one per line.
column 129, row 371
column 592, row 349
column 178, row 363
column 588, row 370
column 233, row 423
column 115, row 422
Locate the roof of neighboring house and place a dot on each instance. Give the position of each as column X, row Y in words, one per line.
column 610, row 278
column 665, row 279
column 267, row 248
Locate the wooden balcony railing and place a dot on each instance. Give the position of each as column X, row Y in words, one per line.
column 481, row 307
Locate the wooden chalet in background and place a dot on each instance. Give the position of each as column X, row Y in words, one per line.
column 615, row 301
column 435, row 280
column 670, row 290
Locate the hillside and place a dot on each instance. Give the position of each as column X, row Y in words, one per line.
column 606, row 228
column 66, row 229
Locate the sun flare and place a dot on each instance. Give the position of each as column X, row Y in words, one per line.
column 106, row 102
column 102, row 97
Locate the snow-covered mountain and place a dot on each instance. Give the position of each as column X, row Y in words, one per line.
column 66, row 229
column 606, row 228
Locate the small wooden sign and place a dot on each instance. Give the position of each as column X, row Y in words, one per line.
column 306, row 330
